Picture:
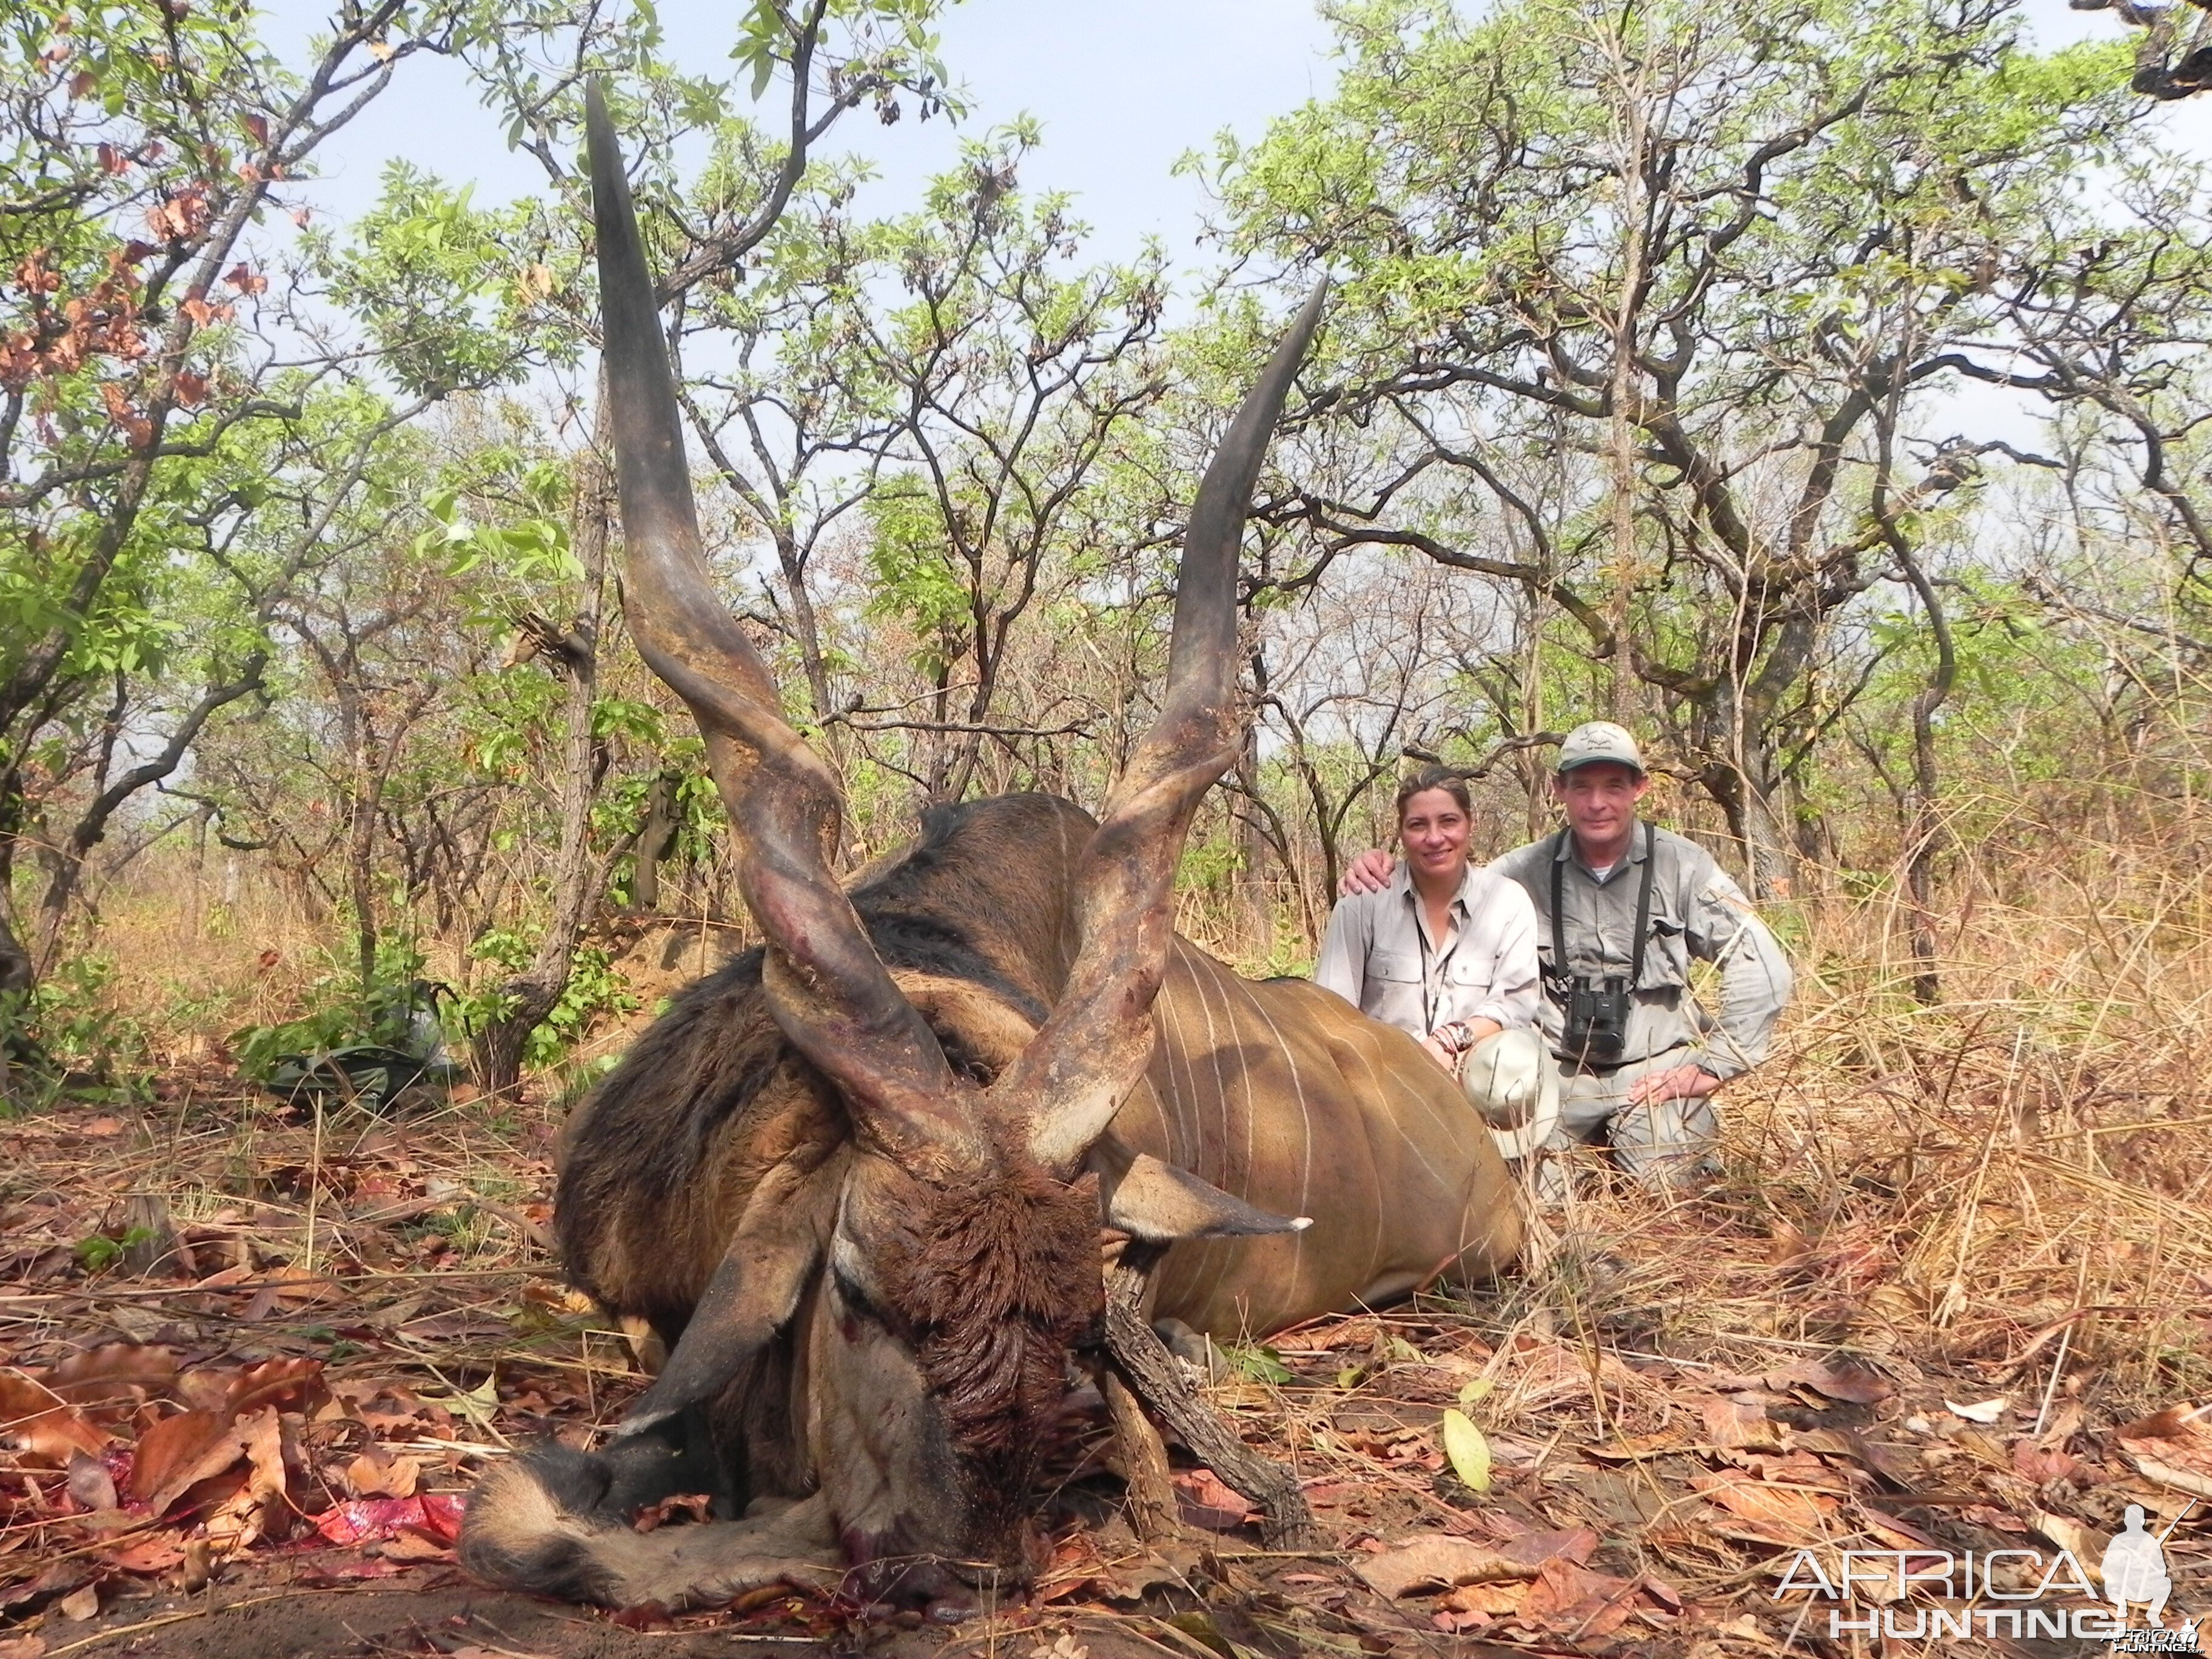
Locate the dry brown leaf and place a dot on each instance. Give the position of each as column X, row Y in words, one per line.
column 2041, row 1466
column 275, row 1382
column 557, row 1299
column 119, row 1373
column 258, row 1508
column 147, row 1555
column 1492, row 1599
column 1796, row 1513
column 39, row 1425
column 1206, row 1501
column 2064, row 1426
column 1736, row 1422
column 2173, row 1447
column 1635, row 1447
column 1578, row 1603
column 412, row 1547
column 1979, row 1410
column 81, row 1603
column 1436, row 1562
column 1896, row 1533
column 2070, row 1535
column 1793, row 1468
column 179, row 1452
column 1534, row 1548
column 1854, row 1384
column 374, row 1474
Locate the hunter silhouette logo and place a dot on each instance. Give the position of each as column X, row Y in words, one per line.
column 2018, row 1593
column 2135, row 1570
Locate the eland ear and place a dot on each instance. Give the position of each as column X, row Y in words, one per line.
column 1154, row 1201
column 752, row 1296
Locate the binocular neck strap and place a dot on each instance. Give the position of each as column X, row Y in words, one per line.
column 1642, row 907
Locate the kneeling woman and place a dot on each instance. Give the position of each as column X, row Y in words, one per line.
column 1447, row 952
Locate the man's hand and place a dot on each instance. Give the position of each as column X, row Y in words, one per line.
column 1370, row 872
column 1676, row 1083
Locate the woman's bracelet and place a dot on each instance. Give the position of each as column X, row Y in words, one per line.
column 1454, row 1036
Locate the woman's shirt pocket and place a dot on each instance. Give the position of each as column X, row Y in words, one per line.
column 1394, row 991
column 1400, row 967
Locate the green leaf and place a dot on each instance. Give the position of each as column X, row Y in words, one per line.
column 1477, row 1388
column 1469, row 1451
column 1261, row 1365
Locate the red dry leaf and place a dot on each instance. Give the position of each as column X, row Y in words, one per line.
column 1206, row 1502
column 1437, row 1561
column 40, row 1426
column 136, row 426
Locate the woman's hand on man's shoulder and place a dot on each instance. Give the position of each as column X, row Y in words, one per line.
column 1370, row 872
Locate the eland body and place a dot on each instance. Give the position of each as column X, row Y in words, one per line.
column 858, row 1178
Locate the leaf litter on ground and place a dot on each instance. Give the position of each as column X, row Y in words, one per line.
column 255, row 1407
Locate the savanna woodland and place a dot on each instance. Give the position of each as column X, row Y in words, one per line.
column 1818, row 387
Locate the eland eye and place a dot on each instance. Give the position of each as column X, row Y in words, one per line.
column 847, row 1273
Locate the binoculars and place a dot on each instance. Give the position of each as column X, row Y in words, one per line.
column 1597, row 1020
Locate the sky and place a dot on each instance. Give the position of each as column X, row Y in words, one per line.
column 1122, row 88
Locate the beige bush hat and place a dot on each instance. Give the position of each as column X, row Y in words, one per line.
column 1513, row 1086
column 1599, row 740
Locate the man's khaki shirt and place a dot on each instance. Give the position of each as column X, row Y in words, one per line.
column 1696, row 911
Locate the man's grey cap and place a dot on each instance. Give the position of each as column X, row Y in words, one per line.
column 1598, row 740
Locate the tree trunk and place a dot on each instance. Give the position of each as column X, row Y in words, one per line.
column 525, row 999
column 1751, row 821
column 15, row 981
column 1926, row 830
column 91, row 829
column 1252, row 859
column 654, row 842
